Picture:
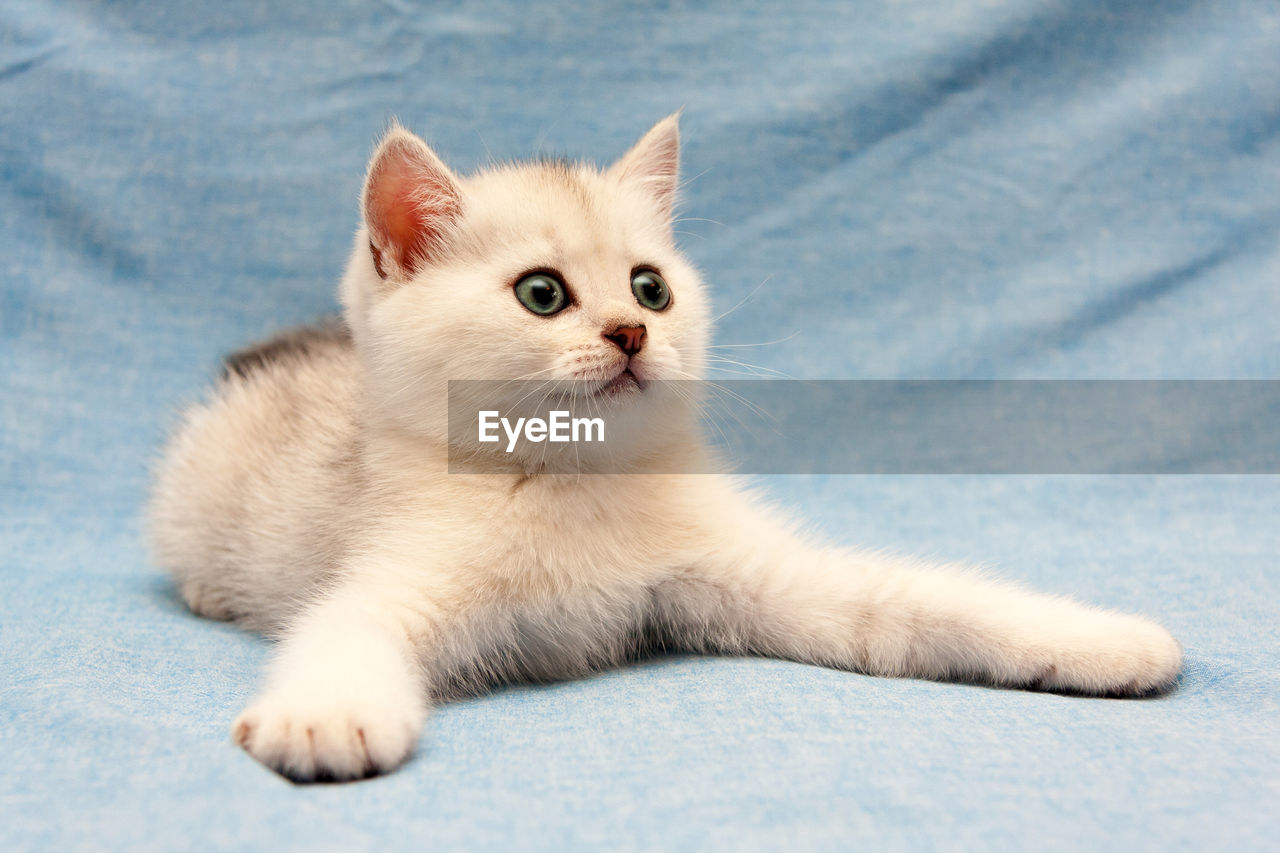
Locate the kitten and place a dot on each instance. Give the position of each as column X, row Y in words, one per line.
column 309, row 497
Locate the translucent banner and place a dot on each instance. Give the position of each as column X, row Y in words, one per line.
column 868, row 427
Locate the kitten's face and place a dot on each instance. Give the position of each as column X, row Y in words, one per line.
column 542, row 273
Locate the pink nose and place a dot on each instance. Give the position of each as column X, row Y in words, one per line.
column 628, row 338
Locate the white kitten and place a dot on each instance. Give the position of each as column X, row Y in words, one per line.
column 310, row 496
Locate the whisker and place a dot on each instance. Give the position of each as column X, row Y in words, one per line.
column 761, row 344
column 757, row 370
column 743, row 301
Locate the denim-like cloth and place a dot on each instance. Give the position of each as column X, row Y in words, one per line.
column 1019, row 189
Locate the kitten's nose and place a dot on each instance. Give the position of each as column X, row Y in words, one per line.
column 628, row 338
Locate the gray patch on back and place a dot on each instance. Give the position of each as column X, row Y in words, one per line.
column 299, row 342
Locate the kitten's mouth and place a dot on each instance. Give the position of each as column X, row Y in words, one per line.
column 624, row 383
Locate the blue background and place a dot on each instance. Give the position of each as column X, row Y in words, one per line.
column 1018, row 189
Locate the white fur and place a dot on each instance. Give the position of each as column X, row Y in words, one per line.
column 310, row 497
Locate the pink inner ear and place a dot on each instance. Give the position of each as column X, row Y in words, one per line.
column 408, row 201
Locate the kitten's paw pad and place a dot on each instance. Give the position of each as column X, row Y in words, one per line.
column 326, row 744
column 1121, row 656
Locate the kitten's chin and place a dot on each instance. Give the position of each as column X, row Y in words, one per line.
column 625, row 384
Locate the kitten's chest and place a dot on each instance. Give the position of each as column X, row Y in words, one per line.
column 597, row 532
column 557, row 582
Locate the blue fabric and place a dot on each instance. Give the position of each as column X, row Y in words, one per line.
column 908, row 190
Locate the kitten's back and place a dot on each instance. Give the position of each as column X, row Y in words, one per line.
column 295, row 344
column 249, row 490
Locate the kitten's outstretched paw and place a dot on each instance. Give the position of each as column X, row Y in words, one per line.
column 1113, row 655
column 309, row 743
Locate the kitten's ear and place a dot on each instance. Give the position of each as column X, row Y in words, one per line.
column 654, row 163
column 410, row 201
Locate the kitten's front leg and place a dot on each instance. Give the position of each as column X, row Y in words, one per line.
column 344, row 696
column 759, row 588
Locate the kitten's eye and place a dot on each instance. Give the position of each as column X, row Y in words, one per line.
column 650, row 290
column 542, row 294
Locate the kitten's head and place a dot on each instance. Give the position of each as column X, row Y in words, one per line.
column 529, row 273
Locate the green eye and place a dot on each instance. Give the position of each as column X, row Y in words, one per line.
column 542, row 294
column 650, row 290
